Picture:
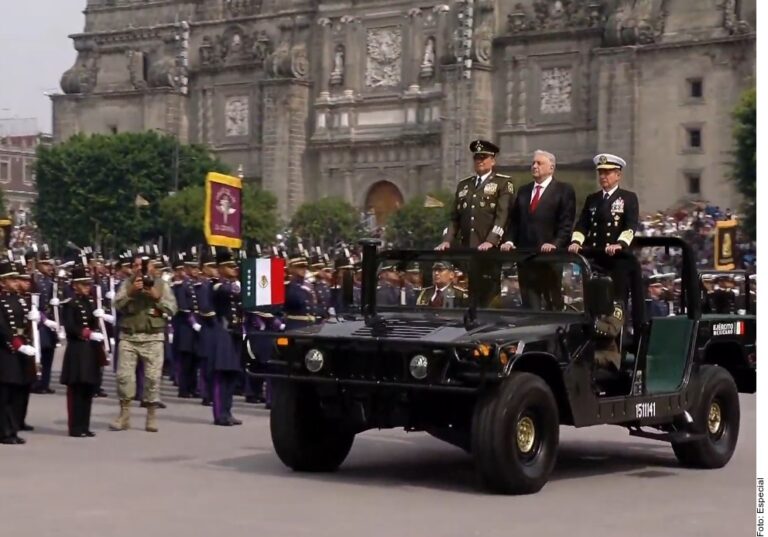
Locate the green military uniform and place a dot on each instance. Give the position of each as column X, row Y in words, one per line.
column 480, row 207
column 448, row 297
column 607, row 330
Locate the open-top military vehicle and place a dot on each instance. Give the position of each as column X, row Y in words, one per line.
column 486, row 374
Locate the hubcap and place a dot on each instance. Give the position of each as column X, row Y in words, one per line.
column 715, row 418
column 526, row 434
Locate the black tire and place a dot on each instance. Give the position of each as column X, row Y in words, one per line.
column 508, row 463
column 303, row 438
column 717, row 395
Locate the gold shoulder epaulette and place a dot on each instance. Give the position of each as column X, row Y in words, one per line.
column 502, row 176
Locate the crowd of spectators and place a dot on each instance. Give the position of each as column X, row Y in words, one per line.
column 695, row 223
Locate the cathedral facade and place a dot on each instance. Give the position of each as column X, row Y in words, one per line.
column 376, row 100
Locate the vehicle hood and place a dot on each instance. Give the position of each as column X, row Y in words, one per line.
column 441, row 330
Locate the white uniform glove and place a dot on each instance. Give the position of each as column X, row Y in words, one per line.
column 332, row 311
column 110, row 295
column 96, row 336
column 197, row 327
column 27, row 350
column 33, row 315
column 170, row 338
column 98, row 313
column 109, row 318
column 53, row 325
column 54, row 302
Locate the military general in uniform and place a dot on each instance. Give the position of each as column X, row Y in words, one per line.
column 481, row 205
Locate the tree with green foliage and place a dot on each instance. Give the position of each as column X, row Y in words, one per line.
column 326, row 222
column 745, row 163
column 88, row 186
column 416, row 226
column 184, row 215
column 3, row 208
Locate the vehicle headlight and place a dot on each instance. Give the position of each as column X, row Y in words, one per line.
column 418, row 367
column 314, row 360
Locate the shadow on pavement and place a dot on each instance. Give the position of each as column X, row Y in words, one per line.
column 446, row 468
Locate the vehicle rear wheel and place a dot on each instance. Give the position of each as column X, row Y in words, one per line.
column 716, row 414
column 515, row 434
column 303, row 437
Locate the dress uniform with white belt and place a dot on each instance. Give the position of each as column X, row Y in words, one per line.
column 480, row 208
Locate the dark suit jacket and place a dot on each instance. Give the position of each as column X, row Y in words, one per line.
column 551, row 222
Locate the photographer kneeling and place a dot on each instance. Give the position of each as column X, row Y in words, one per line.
column 146, row 303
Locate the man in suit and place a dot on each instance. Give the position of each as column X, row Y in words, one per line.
column 607, row 226
column 541, row 219
column 481, row 206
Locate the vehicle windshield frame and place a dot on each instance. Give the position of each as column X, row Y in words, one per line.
column 473, row 258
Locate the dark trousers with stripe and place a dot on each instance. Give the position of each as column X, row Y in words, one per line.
column 223, row 393
column 188, row 364
column 11, row 398
column 79, row 403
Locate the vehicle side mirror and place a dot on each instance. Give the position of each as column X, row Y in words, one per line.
column 347, row 289
column 600, row 296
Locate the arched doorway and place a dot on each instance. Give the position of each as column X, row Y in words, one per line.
column 382, row 200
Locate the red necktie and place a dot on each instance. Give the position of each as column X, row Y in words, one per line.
column 535, row 200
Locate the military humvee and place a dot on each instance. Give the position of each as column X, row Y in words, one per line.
column 498, row 378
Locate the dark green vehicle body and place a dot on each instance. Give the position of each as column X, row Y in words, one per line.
column 366, row 383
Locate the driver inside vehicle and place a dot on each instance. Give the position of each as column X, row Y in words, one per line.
column 443, row 293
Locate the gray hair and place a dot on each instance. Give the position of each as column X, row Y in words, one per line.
column 547, row 154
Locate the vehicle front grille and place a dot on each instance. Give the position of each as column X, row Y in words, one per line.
column 397, row 329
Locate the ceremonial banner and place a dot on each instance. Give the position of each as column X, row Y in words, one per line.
column 725, row 245
column 223, row 210
column 263, row 282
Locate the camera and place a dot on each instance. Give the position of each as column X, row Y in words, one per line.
column 147, row 280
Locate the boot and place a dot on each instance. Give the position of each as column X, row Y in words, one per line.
column 123, row 421
column 151, row 418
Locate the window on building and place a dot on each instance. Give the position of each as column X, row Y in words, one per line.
column 29, row 172
column 695, row 88
column 694, row 138
column 5, row 170
column 113, row 129
column 693, row 183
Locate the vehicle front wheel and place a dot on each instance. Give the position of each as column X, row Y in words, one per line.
column 303, row 437
column 716, row 414
column 515, row 434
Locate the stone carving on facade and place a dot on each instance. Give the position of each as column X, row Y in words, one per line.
column 427, row 69
column 731, row 23
column 81, row 78
column 235, row 46
column 288, row 61
column 636, row 22
column 136, row 61
column 337, row 74
column 556, row 89
column 162, row 74
column 383, row 57
column 240, row 8
column 555, row 15
column 484, row 43
column 236, row 114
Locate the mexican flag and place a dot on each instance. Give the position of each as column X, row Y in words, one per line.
column 263, row 281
